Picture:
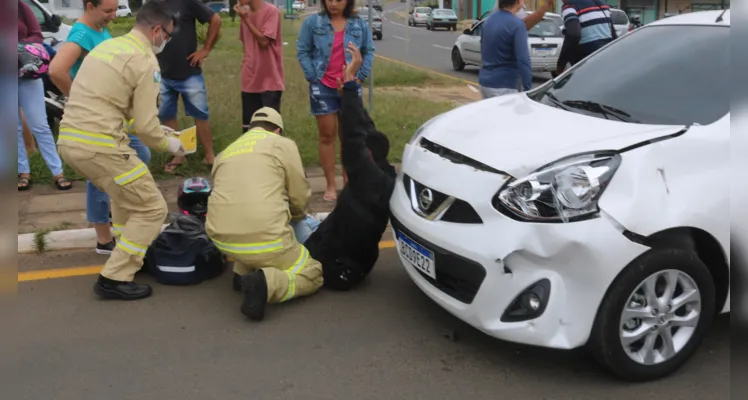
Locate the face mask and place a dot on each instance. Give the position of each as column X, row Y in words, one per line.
column 158, row 49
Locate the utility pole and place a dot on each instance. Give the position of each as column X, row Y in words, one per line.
column 371, row 73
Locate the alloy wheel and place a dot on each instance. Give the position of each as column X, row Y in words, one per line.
column 660, row 317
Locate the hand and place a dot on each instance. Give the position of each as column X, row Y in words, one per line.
column 175, row 146
column 197, row 58
column 350, row 70
column 241, row 10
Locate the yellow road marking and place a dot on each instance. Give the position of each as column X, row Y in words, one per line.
column 28, row 276
column 431, row 71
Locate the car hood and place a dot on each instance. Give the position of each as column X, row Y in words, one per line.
column 518, row 135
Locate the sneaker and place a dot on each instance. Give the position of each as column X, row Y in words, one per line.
column 255, row 290
column 106, row 248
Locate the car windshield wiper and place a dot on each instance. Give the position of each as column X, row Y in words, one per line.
column 601, row 109
column 558, row 103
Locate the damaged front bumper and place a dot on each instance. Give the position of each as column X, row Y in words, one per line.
column 481, row 270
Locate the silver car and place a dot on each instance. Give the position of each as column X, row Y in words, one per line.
column 419, row 16
column 376, row 24
column 544, row 41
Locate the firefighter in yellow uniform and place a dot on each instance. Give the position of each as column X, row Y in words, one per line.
column 259, row 188
column 119, row 82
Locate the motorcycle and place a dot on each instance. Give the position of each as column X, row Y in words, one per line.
column 53, row 98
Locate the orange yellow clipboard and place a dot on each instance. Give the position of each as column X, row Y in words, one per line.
column 188, row 137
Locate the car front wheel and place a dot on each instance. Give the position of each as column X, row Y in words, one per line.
column 655, row 315
column 457, row 63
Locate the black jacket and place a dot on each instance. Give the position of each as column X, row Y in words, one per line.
column 347, row 241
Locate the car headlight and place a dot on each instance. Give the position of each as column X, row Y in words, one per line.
column 564, row 191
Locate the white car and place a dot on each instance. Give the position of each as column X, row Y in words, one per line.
column 544, row 40
column 54, row 31
column 620, row 21
column 299, row 6
column 593, row 210
column 123, row 11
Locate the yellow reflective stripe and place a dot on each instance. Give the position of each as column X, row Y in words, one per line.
column 293, row 271
column 135, row 41
column 132, row 248
column 250, row 248
column 95, row 139
column 129, row 128
column 131, row 175
column 118, row 229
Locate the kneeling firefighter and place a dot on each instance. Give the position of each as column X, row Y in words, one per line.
column 259, row 188
column 119, row 80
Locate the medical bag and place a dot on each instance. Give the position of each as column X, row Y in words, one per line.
column 183, row 254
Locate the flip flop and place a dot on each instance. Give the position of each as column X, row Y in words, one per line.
column 171, row 167
column 61, row 181
column 330, row 196
column 23, row 183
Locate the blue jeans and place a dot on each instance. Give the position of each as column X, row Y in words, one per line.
column 194, row 96
column 31, row 101
column 304, row 228
column 97, row 202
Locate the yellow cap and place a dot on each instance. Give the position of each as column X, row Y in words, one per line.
column 268, row 114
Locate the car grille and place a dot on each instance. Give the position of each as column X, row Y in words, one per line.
column 459, row 211
column 456, row 157
column 456, row 276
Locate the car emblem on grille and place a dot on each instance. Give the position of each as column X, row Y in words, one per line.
column 425, row 199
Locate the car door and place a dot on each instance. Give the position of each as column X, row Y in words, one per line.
column 471, row 46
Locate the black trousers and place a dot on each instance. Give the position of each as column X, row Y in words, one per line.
column 251, row 102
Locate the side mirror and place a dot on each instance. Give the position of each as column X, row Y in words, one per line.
column 56, row 21
column 466, row 32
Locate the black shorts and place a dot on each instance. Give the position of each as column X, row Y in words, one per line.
column 251, row 102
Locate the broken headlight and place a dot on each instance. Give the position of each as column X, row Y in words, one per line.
column 564, row 191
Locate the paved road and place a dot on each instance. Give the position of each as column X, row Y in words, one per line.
column 427, row 49
column 384, row 341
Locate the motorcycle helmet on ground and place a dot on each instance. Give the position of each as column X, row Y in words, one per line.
column 192, row 198
column 33, row 60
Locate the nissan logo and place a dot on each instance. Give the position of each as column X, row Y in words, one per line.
column 425, row 199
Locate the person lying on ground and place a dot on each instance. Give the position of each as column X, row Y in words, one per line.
column 347, row 241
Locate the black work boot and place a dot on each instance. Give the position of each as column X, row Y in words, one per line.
column 255, row 289
column 111, row 289
column 237, row 282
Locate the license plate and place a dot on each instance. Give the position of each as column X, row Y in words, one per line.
column 420, row 257
column 542, row 52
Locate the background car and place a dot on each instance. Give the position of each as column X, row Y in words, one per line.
column 442, row 18
column 620, row 21
column 375, row 4
column 544, row 40
column 299, row 6
column 590, row 211
column 376, row 24
column 419, row 16
column 123, row 11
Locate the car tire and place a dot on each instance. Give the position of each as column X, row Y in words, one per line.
column 457, row 62
column 379, row 36
column 651, row 269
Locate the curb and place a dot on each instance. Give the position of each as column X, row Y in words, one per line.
column 77, row 239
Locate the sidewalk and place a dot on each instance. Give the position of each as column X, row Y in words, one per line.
column 46, row 208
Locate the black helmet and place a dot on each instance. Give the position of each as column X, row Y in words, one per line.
column 192, row 198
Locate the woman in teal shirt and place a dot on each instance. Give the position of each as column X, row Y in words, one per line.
column 88, row 32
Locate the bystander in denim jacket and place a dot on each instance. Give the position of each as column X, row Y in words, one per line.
column 314, row 45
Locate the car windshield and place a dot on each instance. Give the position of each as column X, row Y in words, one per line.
column 444, row 13
column 364, row 13
column 545, row 28
column 619, row 17
column 557, row 19
column 686, row 80
column 423, row 10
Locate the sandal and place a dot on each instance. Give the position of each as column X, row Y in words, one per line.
column 24, row 182
column 172, row 166
column 63, row 183
column 330, row 196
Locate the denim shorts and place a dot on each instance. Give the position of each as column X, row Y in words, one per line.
column 97, row 202
column 325, row 100
column 194, row 96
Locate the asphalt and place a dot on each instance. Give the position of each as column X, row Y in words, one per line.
column 424, row 48
column 384, row 340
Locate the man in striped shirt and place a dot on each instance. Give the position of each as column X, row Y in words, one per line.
column 588, row 28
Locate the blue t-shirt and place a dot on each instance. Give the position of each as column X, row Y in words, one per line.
column 87, row 38
column 504, row 52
